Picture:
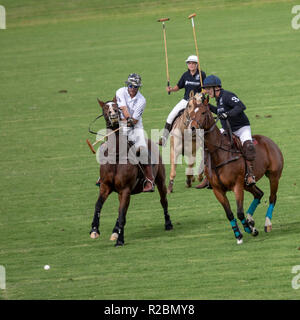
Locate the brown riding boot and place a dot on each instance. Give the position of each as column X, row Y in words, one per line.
column 163, row 139
column 249, row 154
column 203, row 184
column 250, row 178
column 149, row 180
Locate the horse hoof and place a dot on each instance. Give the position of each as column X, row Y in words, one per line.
column 268, row 228
column 170, row 190
column 94, row 235
column 239, row 241
column 168, row 226
column 119, row 244
column 254, row 232
column 114, row 236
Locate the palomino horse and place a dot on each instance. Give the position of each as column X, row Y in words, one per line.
column 226, row 169
column 184, row 141
column 125, row 178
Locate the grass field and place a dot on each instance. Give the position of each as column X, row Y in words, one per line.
column 47, row 173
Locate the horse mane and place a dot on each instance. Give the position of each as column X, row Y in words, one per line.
column 179, row 122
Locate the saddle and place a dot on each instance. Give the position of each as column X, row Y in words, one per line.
column 178, row 115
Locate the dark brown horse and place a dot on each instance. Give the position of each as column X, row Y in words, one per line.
column 125, row 177
column 226, row 168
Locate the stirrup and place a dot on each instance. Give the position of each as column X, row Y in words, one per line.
column 152, row 184
column 162, row 141
column 246, row 180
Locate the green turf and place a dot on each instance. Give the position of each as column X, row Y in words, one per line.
column 47, row 172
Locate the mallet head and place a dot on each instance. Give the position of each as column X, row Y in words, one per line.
column 163, row 19
column 192, row 15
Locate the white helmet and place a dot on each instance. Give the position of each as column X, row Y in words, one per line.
column 192, row 59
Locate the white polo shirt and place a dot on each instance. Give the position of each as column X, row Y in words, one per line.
column 135, row 105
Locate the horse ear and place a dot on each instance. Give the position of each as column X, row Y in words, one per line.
column 192, row 94
column 206, row 100
column 114, row 99
column 101, row 103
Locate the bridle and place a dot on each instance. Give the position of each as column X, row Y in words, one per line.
column 209, row 130
column 110, row 117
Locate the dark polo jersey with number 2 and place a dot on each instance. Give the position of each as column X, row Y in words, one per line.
column 190, row 82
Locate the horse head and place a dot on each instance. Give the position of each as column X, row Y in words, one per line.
column 111, row 113
column 201, row 117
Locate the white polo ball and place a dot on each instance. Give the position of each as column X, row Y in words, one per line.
column 46, row 267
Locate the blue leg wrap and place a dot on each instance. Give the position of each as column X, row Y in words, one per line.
column 253, row 206
column 270, row 211
column 235, row 228
column 246, row 226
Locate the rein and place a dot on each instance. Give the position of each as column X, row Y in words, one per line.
column 93, row 132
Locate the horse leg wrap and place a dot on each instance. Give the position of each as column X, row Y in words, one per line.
column 270, row 211
column 236, row 230
column 246, row 226
column 253, row 206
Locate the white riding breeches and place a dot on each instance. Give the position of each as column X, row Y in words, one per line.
column 136, row 135
column 179, row 106
column 244, row 134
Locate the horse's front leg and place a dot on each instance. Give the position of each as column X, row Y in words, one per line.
column 103, row 194
column 124, row 199
column 239, row 197
column 221, row 196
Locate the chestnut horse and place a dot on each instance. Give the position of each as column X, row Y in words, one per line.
column 184, row 141
column 125, row 178
column 226, row 169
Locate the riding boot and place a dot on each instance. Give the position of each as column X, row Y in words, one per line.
column 249, row 154
column 149, row 179
column 204, row 184
column 163, row 139
column 250, row 178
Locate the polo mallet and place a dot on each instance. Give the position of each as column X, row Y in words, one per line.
column 166, row 52
column 91, row 145
column 194, row 33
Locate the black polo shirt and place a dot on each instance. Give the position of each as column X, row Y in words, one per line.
column 190, row 82
column 228, row 102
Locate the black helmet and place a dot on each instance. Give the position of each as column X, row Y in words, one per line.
column 134, row 79
column 212, row 81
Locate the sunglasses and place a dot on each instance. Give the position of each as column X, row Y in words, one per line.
column 132, row 86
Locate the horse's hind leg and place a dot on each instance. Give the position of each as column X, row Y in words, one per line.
column 274, row 181
column 173, row 159
column 257, row 194
column 161, row 186
column 104, row 192
column 114, row 236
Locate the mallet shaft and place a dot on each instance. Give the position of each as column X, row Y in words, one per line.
column 196, row 46
column 166, row 51
column 91, row 145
